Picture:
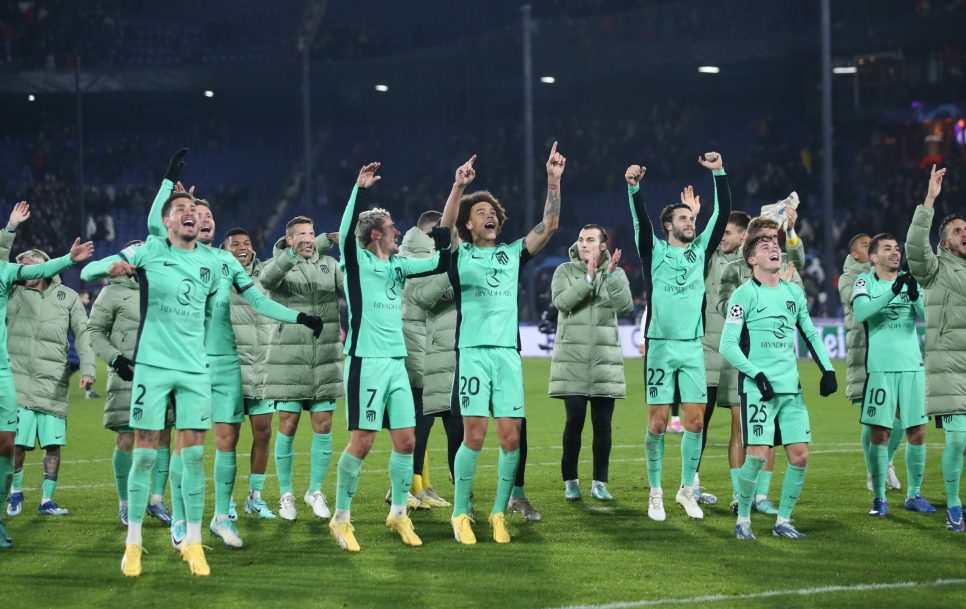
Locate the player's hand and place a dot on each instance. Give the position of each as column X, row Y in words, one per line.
column 792, row 216
column 86, row 382
column 592, row 268
column 465, row 173
column 789, row 273
column 124, row 368
column 333, row 237
column 711, row 160
column 690, row 199
column 176, row 165
column 313, row 322
column 615, row 259
column 367, row 175
column 828, row 385
column 555, row 163
column 299, row 246
column 179, row 187
column 634, row 174
column 80, row 252
column 935, row 185
column 19, row 215
column 764, row 387
column 898, row 283
column 912, row 287
column 442, row 237
column 121, row 269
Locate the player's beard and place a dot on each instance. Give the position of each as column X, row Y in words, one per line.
column 680, row 236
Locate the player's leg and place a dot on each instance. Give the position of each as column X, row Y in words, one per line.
column 576, row 413
column 159, row 479
column 260, row 417
column 736, row 455
column 121, row 465
column 757, row 434
column 865, row 437
column 505, row 372
column 879, row 414
column 709, row 407
column 226, row 469
column 52, row 432
column 691, row 381
column 320, row 456
column 954, row 428
column 423, row 427
column 8, row 429
column 289, row 413
column 400, row 411
column 24, row 440
column 895, row 439
column 764, row 505
column 792, row 417
column 601, row 414
column 519, row 502
column 660, row 380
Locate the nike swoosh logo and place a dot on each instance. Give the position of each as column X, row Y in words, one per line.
column 128, row 297
column 166, row 263
column 761, row 309
column 518, row 408
column 507, row 479
column 462, row 479
column 58, row 437
column 11, row 422
column 229, row 483
column 203, row 419
column 194, row 494
column 475, row 257
column 694, row 459
column 654, row 460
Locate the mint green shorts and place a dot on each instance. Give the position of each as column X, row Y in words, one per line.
column 953, row 422
column 304, row 405
column 488, row 382
column 378, row 394
column 674, row 372
column 8, row 401
column 227, row 403
column 153, row 387
column 886, row 392
column 782, row 420
column 40, row 428
column 253, row 408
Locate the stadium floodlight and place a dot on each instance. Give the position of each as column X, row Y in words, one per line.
column 209, row 93
column 382, row 88
column 548, row 80
column 709, row 69
column 845, row 70
column 31, row 97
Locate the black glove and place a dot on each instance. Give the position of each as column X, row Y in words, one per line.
column 441, row 237
column 764, row 387
column 124, row 368
column 912, row 287
column 314, row 322
column 176, row 166
column 828, row 385
column 899, row 282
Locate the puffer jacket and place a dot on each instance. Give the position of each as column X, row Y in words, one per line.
column 855, row 338
column 113, row 330
column 714, row 364
column 252, row 333
column 434, row 294
column 415, row 244
column 944, row 278
column 587, row 357
column 299, row 366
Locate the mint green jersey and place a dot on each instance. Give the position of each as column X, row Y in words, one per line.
column 759, row 334
column 374, row 288
column 890, row 324
column 176, row 286
column 10, row 274
column 485, row 284
column 674, row 276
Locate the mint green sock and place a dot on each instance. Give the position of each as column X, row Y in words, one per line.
column 225, row 470
column 735, row 483
column 193, row 482
column 6, row 479
column 915, row 468
column 347, row 480
column 690, row 456
column 866, row 443
column 879, row 460
column 16, row 485
column 654, row 447
column 748, row 481
column 516, row 491
column 506, row 474
column 47, row 488
column 256, row 482
column 176, row 475
column 321, row 455
column 284, row 455
column 792, row 485
column 159, row 477
column 139, row 482
column 400, row 476
column 953, row 466
column 764, row 482
column 464, row 467
column 895, row 438
column 121, row 461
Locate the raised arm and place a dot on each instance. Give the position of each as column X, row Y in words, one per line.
column 175, row 167
column 794, row 248
column 923, row 262
column 79, row 252
column 347, row 228
column 865, row 305
column 18, row 215
column 644, row 238
column 262, row 304
column 465, row 174
column 423, row 267
column 710, row 237
column 539, row 235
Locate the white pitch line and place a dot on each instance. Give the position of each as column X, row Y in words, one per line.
column 713, row 598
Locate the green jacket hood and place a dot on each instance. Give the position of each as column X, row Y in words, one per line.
column 853, row 266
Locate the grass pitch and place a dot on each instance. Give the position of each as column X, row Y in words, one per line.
column 585, row 553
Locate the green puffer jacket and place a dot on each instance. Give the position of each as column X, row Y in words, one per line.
column 113, row 331
column 415, row 244
column 944, row 278
column 434, row 294
column 299, row 366
column 252, row 332
column 714, row 364
column 587, row 357
column 855, row 339
column 737, row 272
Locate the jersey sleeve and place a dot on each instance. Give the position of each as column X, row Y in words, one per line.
column 99, row 269
column 813, row 341
column 864, row 303
column 643, row 236
column 422, row 267
column 155, row 223
column 44, row 270
column 730, row 347
column 710, row 237
column 347, row 228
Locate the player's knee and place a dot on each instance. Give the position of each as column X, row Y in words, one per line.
column 6, row 445
column 124, row 442
column 799, row 458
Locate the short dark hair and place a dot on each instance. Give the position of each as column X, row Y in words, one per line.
column 874, row 244
column 174, row 196
column 760, row 223
column 603, row 232
column 466, row 205
column 739, row 218
column 853, row 242
column 428, row 219
column 297, row 220
column 945, row 223
column 748, row 249
column 203, row 202
column 234, row 232
column 668, row 212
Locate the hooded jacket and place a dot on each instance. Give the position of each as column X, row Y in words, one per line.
column 855, row 338
column 113, row 330
column 415, row 244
